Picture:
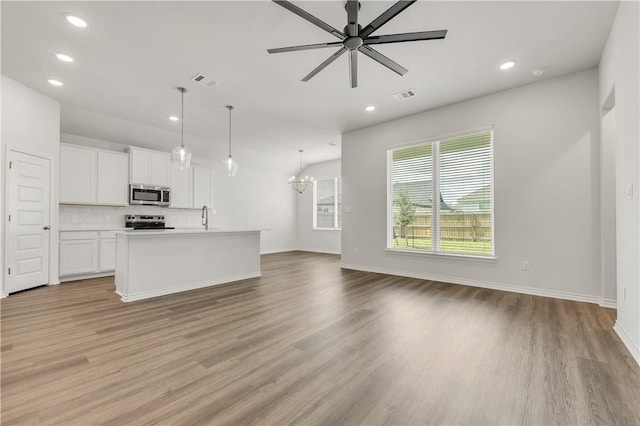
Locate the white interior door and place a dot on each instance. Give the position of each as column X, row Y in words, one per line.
column 28, row 210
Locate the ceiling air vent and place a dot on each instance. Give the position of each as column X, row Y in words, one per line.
column 404, row 95
column 204, row 80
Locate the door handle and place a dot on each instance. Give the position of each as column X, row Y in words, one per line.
column 46, row 228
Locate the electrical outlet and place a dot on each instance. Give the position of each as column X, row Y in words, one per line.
column 630, row 191
column 355, row 250
column 526, row 265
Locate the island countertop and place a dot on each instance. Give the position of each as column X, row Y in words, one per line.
column 185, row 231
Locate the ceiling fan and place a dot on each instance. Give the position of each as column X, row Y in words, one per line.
column 354, row 38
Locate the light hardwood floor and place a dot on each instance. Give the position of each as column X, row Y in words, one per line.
column 309, row 343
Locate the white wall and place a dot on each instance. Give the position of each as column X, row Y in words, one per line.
column 323, row 241
column 619, row 75
column 31, row 122
column 546, row 145
column 258, row 197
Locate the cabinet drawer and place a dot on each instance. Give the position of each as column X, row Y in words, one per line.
column 107, row 234
column 82, row 235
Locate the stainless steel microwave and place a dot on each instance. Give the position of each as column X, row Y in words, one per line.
column 149, row 195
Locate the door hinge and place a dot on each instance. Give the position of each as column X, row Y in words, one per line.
column 9, row 218
column 9, row 271
column 10, row 164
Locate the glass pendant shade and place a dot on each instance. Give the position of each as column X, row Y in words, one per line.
column 300, row 184
column 232, row 166
column 181, row 154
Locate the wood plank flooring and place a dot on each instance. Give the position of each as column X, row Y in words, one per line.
column 309, row 343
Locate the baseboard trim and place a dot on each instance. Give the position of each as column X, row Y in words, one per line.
column 186, row 287
column 608, row 303
column 3, row 294
column 475, row 283
column 628, row 342
column 278, row 251
column 320, row 251
column 84, row 276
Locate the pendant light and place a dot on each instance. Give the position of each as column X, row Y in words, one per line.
column 182, row 154
column 232, row 165
column 300, row 184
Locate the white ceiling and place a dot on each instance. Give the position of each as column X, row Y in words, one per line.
column 133, row 55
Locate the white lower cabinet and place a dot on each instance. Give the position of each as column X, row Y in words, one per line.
column 107, row 251
column 87, row 252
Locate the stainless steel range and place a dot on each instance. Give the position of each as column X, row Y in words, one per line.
column 139, row 222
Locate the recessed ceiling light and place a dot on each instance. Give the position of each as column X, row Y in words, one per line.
column 538, row 71
column 54, row 82
column 507, row 65
column 74, row 20
column 370, row 108
column 64, row 58
column 331, row 144
column 173, row 118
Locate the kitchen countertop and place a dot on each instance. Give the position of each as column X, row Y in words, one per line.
column 90, row 228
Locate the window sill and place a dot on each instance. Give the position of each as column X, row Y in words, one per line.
column 445, row 256
column 326, row 229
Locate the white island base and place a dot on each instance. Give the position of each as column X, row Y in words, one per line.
column 155, row 263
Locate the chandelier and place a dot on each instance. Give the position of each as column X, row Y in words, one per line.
column 300, row 184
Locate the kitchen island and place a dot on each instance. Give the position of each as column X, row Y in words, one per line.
column 155, row 263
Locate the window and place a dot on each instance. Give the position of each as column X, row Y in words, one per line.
column 326, row 203
column 457, row 172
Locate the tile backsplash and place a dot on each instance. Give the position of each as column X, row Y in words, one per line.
column 85, row 216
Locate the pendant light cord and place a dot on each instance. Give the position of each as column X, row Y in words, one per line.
column 229, row 107
column 300, row 172
column 182, row 90
column 182, row 122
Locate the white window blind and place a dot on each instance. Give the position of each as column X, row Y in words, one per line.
column 441, row 196
column 326, row 203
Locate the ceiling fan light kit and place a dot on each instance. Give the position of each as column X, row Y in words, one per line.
column 354, row 38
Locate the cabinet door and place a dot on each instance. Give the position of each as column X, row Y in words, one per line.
column 113, row 178
column 78, row 257
column 140, row 166
column 202, row 187
column 160, row 168
column 108, row 255
column 181, row 187
column 78, row 177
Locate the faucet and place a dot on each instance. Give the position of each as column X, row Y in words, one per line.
column 205, row 218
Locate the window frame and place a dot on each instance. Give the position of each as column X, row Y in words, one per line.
column 435, row 143
column 336, row 205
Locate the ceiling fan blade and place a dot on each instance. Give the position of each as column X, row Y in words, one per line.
column 353, row 68
column 352, row 17
column 386, row 16
column 379, row 57
column 324, row 64
column 398, row 38
column 304, row 47
column 309, row 17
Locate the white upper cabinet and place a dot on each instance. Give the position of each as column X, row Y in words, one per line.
column 113, row 178
column 191, row 188
column 181, row 187
column 202, row 187
column 149, row 167
column 92, row 176
column 78, row 175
